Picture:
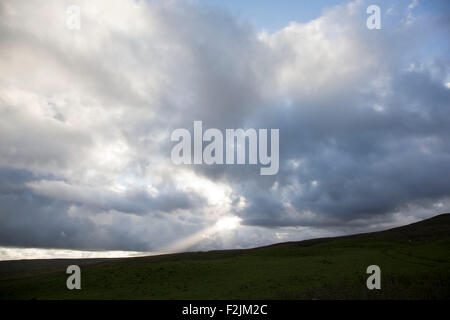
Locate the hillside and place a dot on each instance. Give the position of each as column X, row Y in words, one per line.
column 414, row 261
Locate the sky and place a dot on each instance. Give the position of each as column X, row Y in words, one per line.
column 86, row 117
column 273, row 15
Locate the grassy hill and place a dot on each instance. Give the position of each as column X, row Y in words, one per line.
column 414, row 262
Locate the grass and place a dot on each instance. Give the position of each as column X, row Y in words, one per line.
column 414, row 262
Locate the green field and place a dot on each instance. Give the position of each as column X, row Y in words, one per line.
column 414, row 262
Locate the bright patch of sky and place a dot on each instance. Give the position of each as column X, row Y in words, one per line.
column 271, row 15
column 40, row 253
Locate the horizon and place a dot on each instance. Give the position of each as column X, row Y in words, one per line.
column 65, row 254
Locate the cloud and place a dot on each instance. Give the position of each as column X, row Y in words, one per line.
column 86, row 117
column 135, row 201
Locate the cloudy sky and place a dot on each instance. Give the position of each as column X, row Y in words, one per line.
column 86, row 117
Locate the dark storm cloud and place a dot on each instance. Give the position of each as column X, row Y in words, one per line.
column 43, row 222
column 365, row 144
column 54, row 215
column 133, row 201
column 356, row 163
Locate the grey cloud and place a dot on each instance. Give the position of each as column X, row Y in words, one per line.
column 64, row 218
column 134, row 201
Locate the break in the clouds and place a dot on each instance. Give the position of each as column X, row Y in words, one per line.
column 86, row 117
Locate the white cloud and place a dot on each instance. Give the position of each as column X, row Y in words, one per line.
column 38, row 253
